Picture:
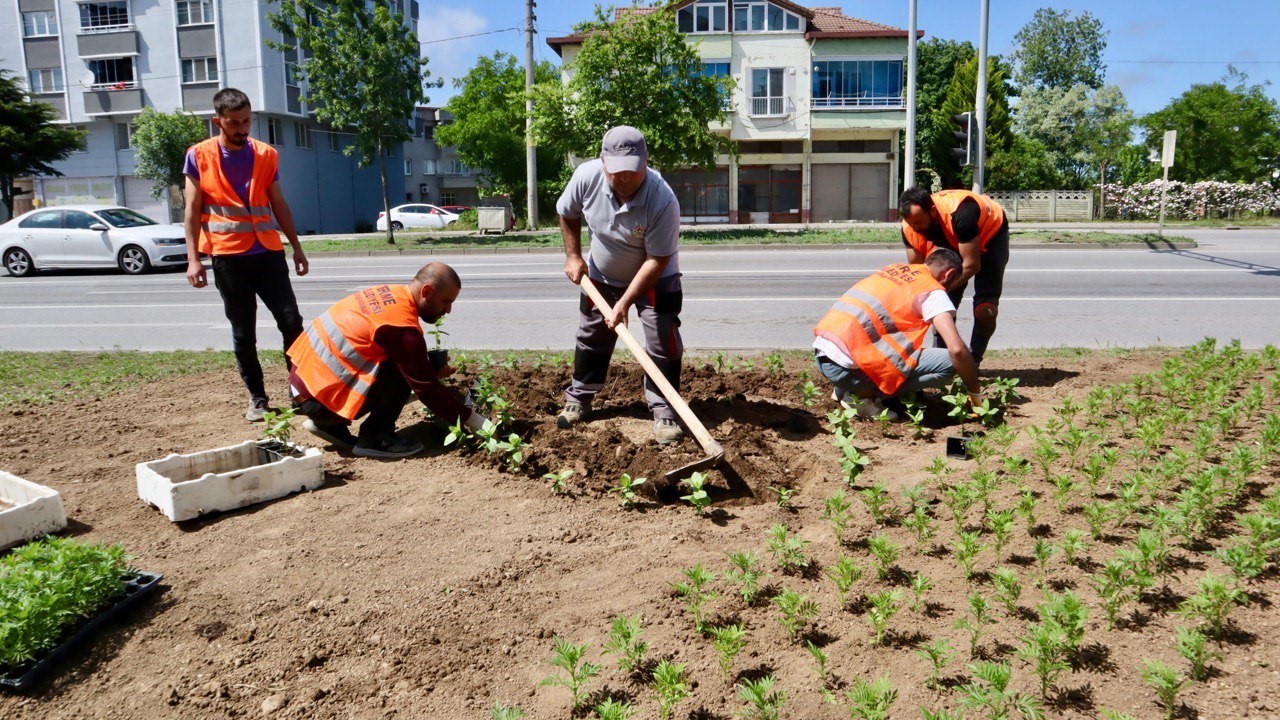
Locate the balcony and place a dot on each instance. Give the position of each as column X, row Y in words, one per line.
column 112, row 41
column 112, row 98
column 771, row 106
column 859, row 102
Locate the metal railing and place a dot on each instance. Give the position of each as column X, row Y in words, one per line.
column 768, row 106
column 106, row 28
column 122, row 85
column 843, row 102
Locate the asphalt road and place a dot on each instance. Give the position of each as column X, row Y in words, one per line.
column 736, row 298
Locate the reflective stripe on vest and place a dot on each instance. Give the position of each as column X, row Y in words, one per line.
column 331, row 361
column 894, row 355
column 339, row 341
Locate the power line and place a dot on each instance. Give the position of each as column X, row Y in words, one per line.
column 1197, row 62
column 463, row 37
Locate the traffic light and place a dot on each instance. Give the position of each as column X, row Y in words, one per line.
column 964, row 138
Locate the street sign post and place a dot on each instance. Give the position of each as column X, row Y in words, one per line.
column 1166, row 161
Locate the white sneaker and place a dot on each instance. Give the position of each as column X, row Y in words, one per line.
column 871, row 409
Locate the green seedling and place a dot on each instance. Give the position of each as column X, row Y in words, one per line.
column 808, row 393
column 884, row 605
column 927, row 714
column 277, row 425
column 852, row 460
column 844, row 573
column 1213, row 602
column 1004, row 390
column 958, row 499
column 990, row 692
column 878, row 502
column 921, row 526
column 784, row 496
column 514, row 447
column 764, row 701
column 729, row 641
column 668, row 680
column 1166, row 681
column 1109, row 714
column 697, row 496
column 797, row 611
column 1042, row 551
column 1026, row 509
column 577, row 670
column 746, row 574
column 841, row 420
column 959, row 402
column 1008, row 588
column 1097, row 514
column 624, row 641
column 1073, row 543
column 559, row 486
column 458, row 433
column 835, row 510
column 774, row 364
column 1068, row 614
column 975, row 621
column 1244, row 562
column 504, row 712
column 915, row 497
column 966, row 548
column 885, row 421
column 820, row 657
column 788, row 550
column 1044, row 647
column 1193, row 646
column 885, row 552
column 915, row 416
column 612, row 709
column 1115, row 587
column 1000, row 522
column 984, row 484
column 939, row 468
column 695, row 592
column 920, row 586
column 938, row 653
column 626, row 490
column 871, row 700
column 987, row 414
column 1064, row 487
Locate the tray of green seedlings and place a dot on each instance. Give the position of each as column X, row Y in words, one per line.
column 56, row 593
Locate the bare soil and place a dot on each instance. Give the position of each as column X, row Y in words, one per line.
column 432, row 587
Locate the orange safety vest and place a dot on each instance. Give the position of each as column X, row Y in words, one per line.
column 227, row 227
column 337, row 359
column 878, row 323
column 945, row 202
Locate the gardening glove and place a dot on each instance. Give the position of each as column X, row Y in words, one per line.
column 975, row 400
column 475, row 421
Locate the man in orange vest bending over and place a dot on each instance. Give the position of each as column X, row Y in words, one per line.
column 365, row 354
column 976, row 227
column 233, row 189
column 870, row 345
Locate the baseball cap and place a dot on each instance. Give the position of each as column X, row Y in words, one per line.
column 623, row 149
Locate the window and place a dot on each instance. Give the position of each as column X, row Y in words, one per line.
column 764, row 17
column 291, row 74
column 335, row 141
column 719, row 69
column 47, row 220
column 112, row 73
column 195, row 12
column 302, row 135
column 417, row 126
column 124, row 136
column 408, row 168
column 851, row 146
column 456, row 167
column 701, row 194
column 429, row 132
column 448, row 197
column 76, row 220
column 428, row 167
column 108, row 15
column 273, row 132
column 703, row 16
column 857, row 83
column 198, row 70
column 39, row 24
column 413, row 10
column 771, row 147
column 46, row 80
column 766, row 91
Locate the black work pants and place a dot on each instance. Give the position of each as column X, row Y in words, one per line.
column 241, row 280
column 382, row 405
column 988, row 284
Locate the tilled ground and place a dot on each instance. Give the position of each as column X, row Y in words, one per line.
column 432, row 587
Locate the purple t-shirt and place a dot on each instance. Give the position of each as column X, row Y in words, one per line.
column 237, row 168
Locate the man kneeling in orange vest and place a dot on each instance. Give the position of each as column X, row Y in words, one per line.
column 871, row 343
column 365, row 354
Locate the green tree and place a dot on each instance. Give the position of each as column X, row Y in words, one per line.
column 362, row 69
column 960, row 97
column 639, row 71
column 488, row 129
column 160, row 141
column 1228, row 130
column 1083, row 129
column 1057, row 49
column 29, row 139
column 1025, row 165
column 936, row 60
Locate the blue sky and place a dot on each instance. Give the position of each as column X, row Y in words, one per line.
column 1155, row 50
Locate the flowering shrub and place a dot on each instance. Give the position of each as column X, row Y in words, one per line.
column 1189, row 201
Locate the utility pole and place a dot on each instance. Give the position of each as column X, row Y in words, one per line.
column 980, row 162
column 531, row 153
column 909, row 168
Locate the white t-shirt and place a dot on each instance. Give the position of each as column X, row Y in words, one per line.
column 933, row 305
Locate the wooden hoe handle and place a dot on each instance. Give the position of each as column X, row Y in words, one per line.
column 704, row 438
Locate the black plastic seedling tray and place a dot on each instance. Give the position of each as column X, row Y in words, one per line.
column 25, row 675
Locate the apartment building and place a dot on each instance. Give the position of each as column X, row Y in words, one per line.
column 100, row 62
column 432, row 173
column 816, row 113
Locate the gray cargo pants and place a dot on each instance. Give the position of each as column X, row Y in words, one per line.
column 659, row 312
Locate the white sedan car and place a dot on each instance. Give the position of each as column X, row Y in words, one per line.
column 89, row 236
column 416, row 215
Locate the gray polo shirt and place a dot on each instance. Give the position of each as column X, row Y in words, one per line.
column 622, row 235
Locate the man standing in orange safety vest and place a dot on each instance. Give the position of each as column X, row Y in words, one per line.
column 233, row 190
column 870, row 344
column 364, row 355
column 976, row 227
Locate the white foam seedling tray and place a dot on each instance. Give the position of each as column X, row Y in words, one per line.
column 27, row 510
column 184, row 487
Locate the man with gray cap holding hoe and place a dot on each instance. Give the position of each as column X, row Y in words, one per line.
column 634, row 220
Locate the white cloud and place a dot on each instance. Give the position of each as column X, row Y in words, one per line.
column 452, row 58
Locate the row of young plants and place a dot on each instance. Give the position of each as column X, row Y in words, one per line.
column 1157, row 471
